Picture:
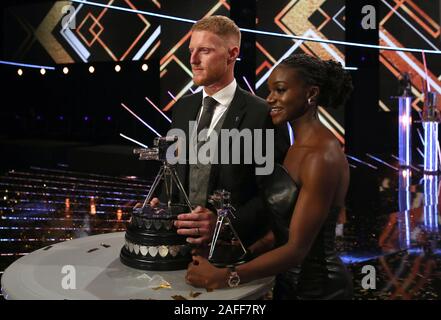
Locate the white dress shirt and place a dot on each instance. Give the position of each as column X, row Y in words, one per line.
column 224, row 98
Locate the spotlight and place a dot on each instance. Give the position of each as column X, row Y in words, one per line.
column 65, row 70
column 43, row 71
column 91, row 69
column 20, row 72
column 117, row 68
column 144, row 67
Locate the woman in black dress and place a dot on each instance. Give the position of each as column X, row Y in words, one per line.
column 304, row 197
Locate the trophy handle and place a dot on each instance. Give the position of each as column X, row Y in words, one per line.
column 168, row 185
column 154, row 186
column 217, row 229
column 235, row 234
column 176, row 179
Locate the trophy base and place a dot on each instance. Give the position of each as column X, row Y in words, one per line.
column 229, row 256
column 161, row 211
column 153, row 264
column 152, row 242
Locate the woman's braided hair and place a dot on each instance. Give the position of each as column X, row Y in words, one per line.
column 334, row 82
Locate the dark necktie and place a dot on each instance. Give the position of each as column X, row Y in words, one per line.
column 207, row 113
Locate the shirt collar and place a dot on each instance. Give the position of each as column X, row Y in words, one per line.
column 225, row 95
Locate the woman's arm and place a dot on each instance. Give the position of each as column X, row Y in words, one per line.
column 319, row 177
column 264, row 244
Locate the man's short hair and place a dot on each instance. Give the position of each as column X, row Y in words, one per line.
column 219, row 25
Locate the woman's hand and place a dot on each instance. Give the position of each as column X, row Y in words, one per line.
column 203, row 274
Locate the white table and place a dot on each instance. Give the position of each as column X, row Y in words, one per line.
column 101, row 275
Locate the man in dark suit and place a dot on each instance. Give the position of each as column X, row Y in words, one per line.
column 214, row 48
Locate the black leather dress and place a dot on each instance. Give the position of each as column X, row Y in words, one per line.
column 322, row 275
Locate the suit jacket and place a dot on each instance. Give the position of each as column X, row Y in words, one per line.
column 245, row 111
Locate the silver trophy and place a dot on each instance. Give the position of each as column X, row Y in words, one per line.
column 226, row 248
column 167, row 173
column 151, row 240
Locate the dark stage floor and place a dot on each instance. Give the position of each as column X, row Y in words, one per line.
column 392, row 221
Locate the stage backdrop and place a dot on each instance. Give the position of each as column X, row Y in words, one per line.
column 414, row 24
column 322, row 19
column 67, row 32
